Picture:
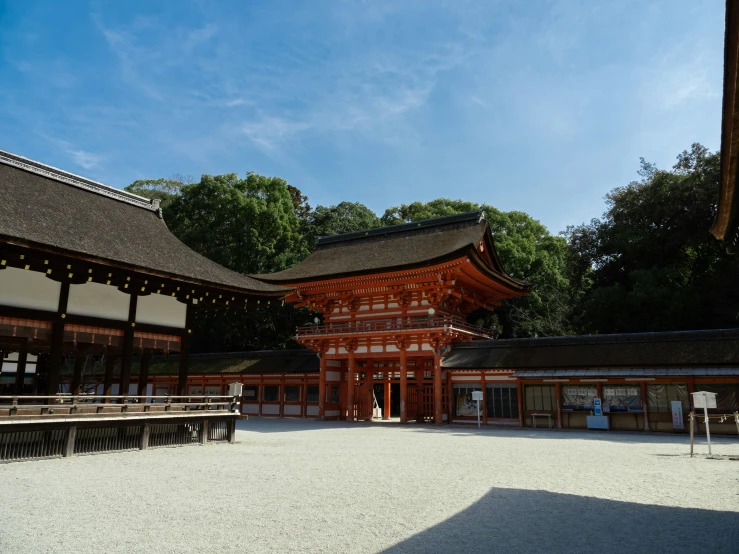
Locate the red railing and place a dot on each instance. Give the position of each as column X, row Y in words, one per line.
column 394, row 325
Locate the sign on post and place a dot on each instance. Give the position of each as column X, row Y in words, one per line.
column 705, row 400
column 677, row 414
column 477, row 396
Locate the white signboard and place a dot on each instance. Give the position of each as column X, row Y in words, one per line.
column 609, row 392
column 704, row 399
column 476, row 395
column 677, row 415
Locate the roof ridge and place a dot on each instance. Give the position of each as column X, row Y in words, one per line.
column 476, row 216
column 32, row 166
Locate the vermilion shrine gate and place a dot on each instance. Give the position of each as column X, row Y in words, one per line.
column 393, row 300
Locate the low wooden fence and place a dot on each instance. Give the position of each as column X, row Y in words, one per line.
column 33, row 429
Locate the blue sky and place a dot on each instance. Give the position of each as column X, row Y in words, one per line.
column 536, row 106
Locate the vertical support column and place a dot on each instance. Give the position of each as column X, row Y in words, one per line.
column 420, row 400
column 519, row 391
column 322, row 387
column 144, row 437
column 645, row 405
column 127, row 356
column 184, row 352
column 449, row 397
column 369, row 379
column 558, row 394
column 20, row 371
column 484, row 398
column 57, row 344
column 437, row 385
column 144, row 373
column 79, row 362
column 350, row 386
column 304, row 398
column 282, row 396
column 403, row 385
column 387, row 399
column 71, row 438
column 108, row 378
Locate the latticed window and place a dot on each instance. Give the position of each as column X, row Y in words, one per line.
column 250, row 392
column 271, row 393
column 541, row 397
column 727, row 395
column 464, row 406
column 501, row 400
column 292, row 393
column 312, row 393
column 660, row 397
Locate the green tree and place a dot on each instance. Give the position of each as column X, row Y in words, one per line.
column 164, row 190
column 650, row 264
column 527, row 251
column 345, row 217
column 248, row 225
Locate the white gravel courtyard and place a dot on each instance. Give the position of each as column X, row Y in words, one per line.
column 307, row 486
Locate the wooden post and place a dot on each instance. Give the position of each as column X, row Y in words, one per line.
column 403, row 385
column 127, row 356
column 206, row 428
column 369, row 379
column 449, row 396
column 645, row 405
column 282, row 396
column 484, row 398
column 144, row 438
column 558, row 394
column 350, row 386
column 57, row 345
column 304, row 398
column 184, row 352
column 519, row 391
column 79, row 362
column 322, row 388
column 108, row 378
column 419, row 392
column 736, row 419
column 692, row 431
column 20, row 370
column 144, row 373
column 386, row 401
column 71, row 437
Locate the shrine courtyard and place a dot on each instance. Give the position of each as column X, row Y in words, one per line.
column 309, row 486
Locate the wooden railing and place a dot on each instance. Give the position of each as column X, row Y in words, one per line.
column 66, row 404
column 394, row 325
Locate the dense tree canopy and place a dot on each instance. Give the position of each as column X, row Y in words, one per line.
column 649, row 264
column 527, row 251
column 342, row 218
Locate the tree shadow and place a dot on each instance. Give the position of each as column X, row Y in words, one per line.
column 531, row 521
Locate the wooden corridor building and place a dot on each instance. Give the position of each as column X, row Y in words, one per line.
column 87, row 270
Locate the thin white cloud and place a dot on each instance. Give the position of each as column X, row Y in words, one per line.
column 86, row 160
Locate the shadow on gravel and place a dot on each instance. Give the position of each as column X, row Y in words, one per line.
column 515, row 520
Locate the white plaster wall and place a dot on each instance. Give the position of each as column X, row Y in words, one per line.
column 97, row 300
column 473, row 378
column 331, row 413
column 312, row 410
column 270, row 409
column 333, row 376
column 376, row 349
column 333, row 363
column 250, row 408
column 292, row 410
column 28, row 289
column 157, row 309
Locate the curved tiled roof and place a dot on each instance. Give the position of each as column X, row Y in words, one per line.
column 44, row 207
column 396, row 247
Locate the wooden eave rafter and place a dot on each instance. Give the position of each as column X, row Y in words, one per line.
column 76, row 270
column 727, row 216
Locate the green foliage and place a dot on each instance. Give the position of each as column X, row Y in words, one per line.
column 248, row 225
column 649, row 264
column 527, row 251
column 345, row 217
column 164, row 190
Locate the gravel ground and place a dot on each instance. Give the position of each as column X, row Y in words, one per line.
column 306, row 486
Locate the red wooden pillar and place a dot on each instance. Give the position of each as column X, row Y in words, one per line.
column 420, row 400
column 558, row 394
column 350, row 381
column 403, row 386
column 304, row 398
column 645, row 405
column 386, row 403
column 449, row 396
column 484, row 398
column 322, row 388
column 437, row 386
column 519, row 391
